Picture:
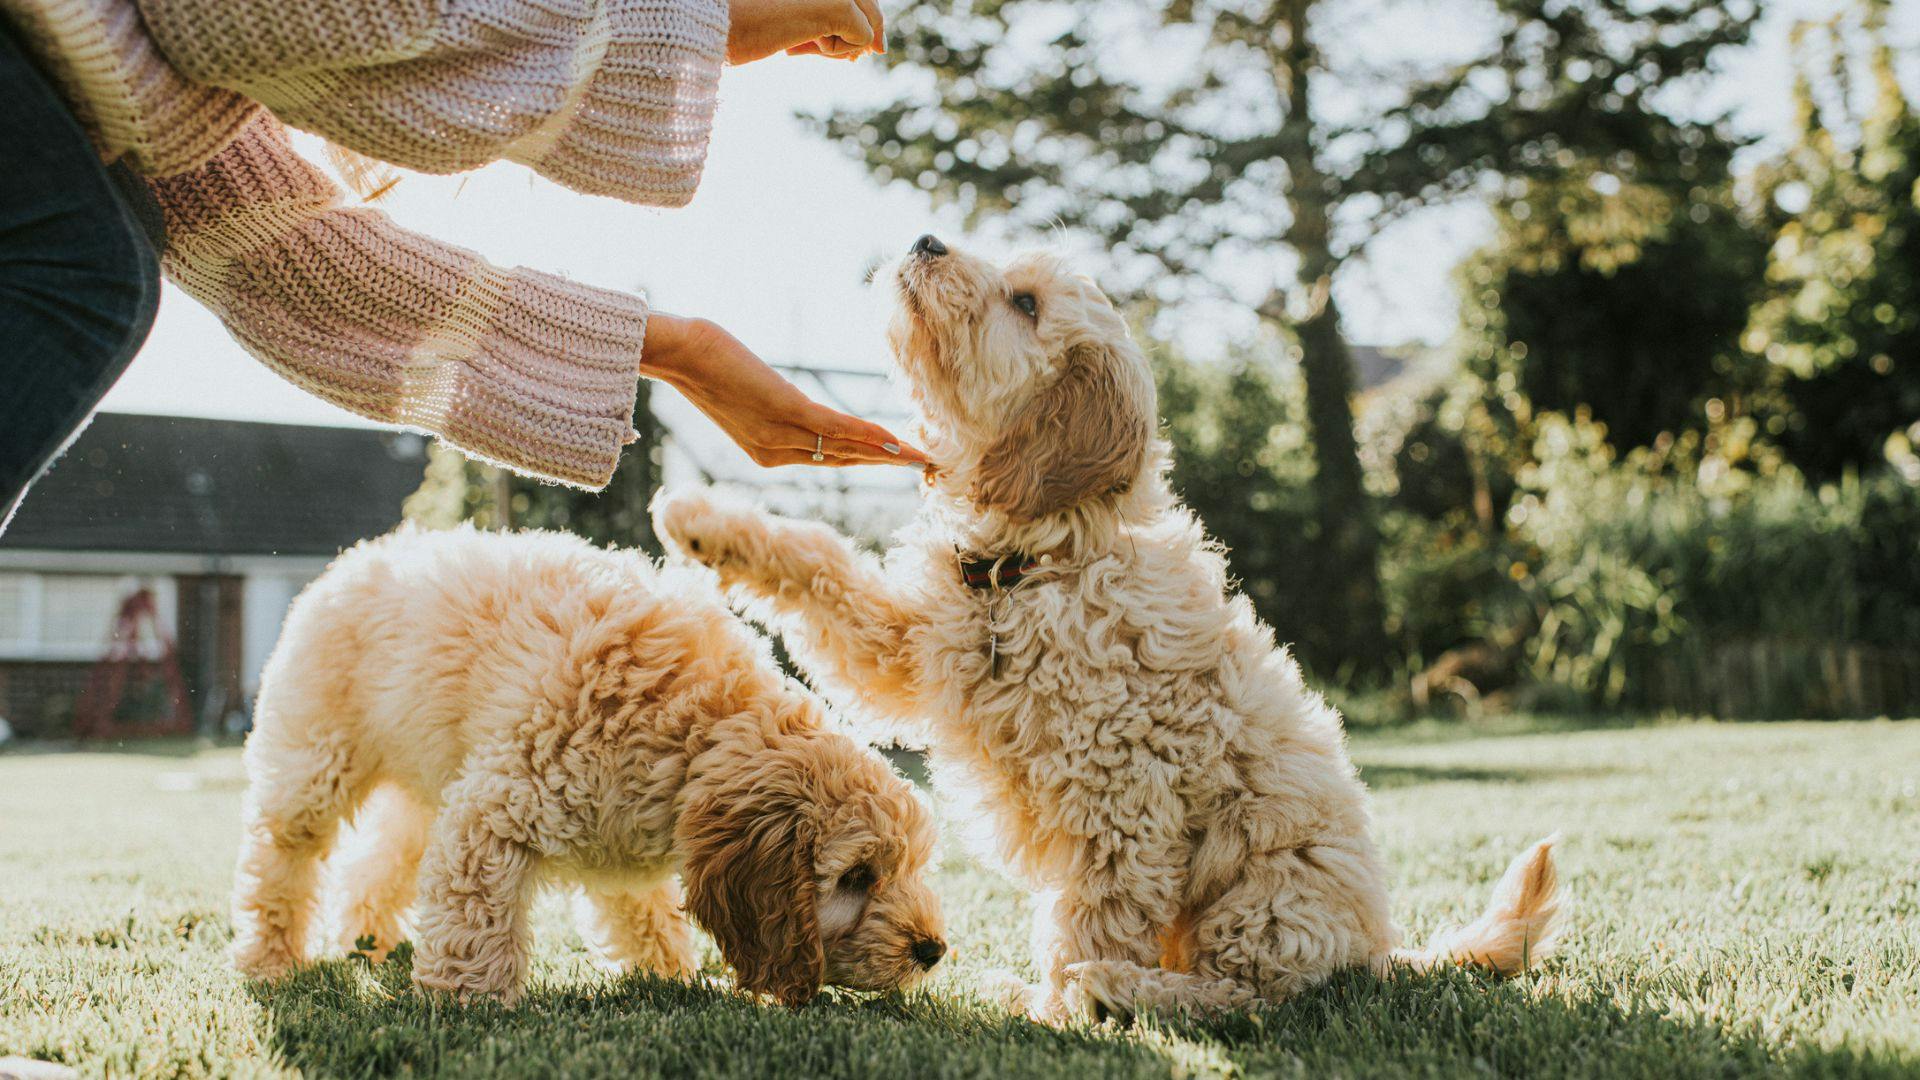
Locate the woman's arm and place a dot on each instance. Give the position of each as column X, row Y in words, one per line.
column 609, row 97
column 513, row 365
column 524, row 368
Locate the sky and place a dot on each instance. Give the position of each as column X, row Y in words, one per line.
column 777, row 241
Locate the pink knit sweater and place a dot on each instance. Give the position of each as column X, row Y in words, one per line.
column 611, row 97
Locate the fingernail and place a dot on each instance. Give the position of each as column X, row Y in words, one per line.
column 917, row 466
column 891, row 448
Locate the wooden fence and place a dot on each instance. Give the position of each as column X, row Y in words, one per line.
column 1782, row 679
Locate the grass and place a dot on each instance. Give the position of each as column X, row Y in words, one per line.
column 1748, row 903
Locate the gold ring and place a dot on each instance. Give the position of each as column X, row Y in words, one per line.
column 818, row 440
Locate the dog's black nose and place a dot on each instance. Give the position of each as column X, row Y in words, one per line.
column 929, row 245
column 928, row 951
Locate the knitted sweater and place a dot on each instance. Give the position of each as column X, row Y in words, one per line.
column 606, row 96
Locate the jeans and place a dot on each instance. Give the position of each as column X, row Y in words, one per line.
column 79, row 273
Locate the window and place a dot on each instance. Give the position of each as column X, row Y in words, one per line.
column 70, row 617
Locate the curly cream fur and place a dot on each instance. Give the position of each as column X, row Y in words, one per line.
column 1150, row 760
column 493, row 711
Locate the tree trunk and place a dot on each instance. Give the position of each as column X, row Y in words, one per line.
column 1348, row 535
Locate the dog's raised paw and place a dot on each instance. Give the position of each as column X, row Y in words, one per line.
column 686, row 519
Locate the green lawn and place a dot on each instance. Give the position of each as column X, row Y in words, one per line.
column 1747, row 901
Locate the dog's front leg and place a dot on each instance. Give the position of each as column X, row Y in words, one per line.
column 474, row 885
column 838, row 614
column 1094, row 920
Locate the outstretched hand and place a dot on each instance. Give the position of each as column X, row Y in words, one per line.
column 768, row 416
column 840, row 29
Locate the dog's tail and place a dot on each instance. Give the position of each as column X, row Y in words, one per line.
column 1519, row 929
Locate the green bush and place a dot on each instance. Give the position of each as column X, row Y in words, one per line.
column 1613, row 582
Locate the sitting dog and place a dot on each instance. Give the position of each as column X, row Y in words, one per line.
column 1060, row 632
column 503, row 709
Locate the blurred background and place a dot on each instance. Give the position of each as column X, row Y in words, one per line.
column 1526, row 354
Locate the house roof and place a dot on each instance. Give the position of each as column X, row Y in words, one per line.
column 219, row 487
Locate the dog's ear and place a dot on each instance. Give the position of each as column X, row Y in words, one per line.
column 1085, row 435
column 749, row 882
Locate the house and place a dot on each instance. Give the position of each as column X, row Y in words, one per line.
column 224, row 521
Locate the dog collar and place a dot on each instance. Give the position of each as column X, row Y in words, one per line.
column 997, row 572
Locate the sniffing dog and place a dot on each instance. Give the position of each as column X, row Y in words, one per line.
column 498, row 710
column 1059, row 630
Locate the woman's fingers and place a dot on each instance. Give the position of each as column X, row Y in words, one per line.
column 876, row 20
column 859, row 451
column 838, row 425
column 842, row 450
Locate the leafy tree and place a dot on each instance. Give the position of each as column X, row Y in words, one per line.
column 1841, row 321
column 1628, row 304
column 1204, row 142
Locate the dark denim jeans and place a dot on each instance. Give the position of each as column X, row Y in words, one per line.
column 79, row 273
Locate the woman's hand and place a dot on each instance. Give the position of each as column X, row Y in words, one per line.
column 842, row 29
column 768, row 416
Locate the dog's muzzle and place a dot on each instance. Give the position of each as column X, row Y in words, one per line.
column 928, row 951
column 929, row 247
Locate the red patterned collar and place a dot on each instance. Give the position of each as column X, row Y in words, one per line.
column 997, row 572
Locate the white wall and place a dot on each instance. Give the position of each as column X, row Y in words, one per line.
column 264, row 601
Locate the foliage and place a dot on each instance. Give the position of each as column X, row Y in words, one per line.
column 1575, row 305
column 1745, row 897
column 1608, row 572
column 1565, row 91
column 1841, row 321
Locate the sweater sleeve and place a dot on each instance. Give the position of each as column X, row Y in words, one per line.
column 609, row 97
column 515, row 366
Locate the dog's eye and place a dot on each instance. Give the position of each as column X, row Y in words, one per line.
column 1025, row 302
column 858, row 879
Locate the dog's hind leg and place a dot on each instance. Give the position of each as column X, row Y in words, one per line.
column 644, row 929
column 377, row 870
column 1293, row 918
column 299, row 788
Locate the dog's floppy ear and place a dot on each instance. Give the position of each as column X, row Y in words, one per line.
column 749, row 882
column 1084, row 435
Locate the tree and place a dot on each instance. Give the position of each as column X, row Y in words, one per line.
column 1196, row 141
column 1627, row 304
column 1841, row 321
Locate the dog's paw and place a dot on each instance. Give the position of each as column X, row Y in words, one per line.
column 1091, row 989
column 694, row 524
column 464, row 993
column 264, row 958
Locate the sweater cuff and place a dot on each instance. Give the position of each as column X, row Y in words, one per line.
column 547, row 389
column 636, row 124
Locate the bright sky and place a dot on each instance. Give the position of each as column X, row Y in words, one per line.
column 776, row 243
